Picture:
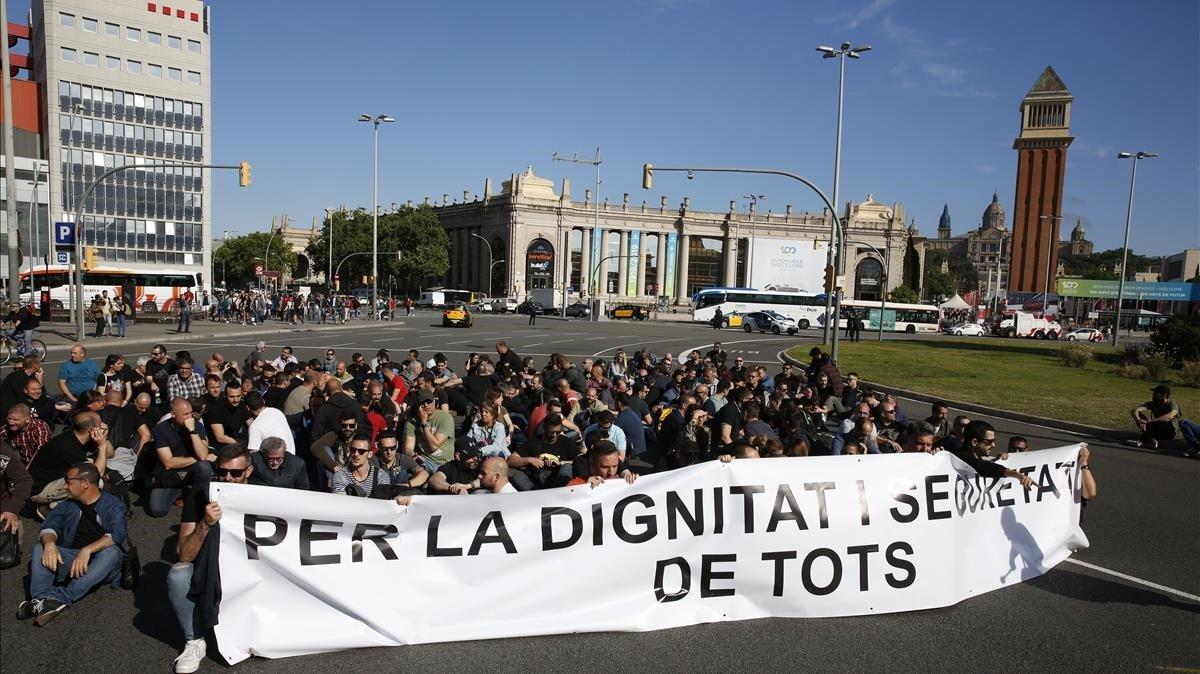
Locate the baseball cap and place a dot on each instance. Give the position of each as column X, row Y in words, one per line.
column 424, row 397
column 1163, row 389
column 467, row 447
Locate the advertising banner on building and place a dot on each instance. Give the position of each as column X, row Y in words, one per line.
column 1145, row 290
column 788, row 265
column 305, row 572
column 631, row 270
column 672, row 263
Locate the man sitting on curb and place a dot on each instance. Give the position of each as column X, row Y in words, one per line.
column 1155, row 418
column 80, row 543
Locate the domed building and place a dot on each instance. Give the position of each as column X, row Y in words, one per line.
column 988, row 247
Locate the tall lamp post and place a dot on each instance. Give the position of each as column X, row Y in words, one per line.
column 1125, row 249
column 596, row 242
column 329, row 235
column 375, row 121
column 833, row 303
column 754, row 199
column 488, row 245
column 1051, row 241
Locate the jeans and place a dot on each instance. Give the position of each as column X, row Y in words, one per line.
column 179, row 581
column 24, row 338
column 120, row 325
column 1191, row 433
column 185, row 321
column 168, row 485
column 99, row 326
column 103, row 567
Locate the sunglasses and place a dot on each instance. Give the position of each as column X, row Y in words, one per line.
column 349, row 425
column 230, row 472
column 360, row 450
column 388, row 448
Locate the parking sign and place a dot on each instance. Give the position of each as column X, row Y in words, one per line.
column 64, row 234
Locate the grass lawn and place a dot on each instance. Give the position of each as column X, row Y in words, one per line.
column 1012, row 374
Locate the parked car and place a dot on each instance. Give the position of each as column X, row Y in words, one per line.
column 969, row 329
column 579, row 310
column 504, row 305
column 631, row 311
column 1084, row 335
column 769, row 321
column 483, row 305
column 456, row 314
column 527, row 305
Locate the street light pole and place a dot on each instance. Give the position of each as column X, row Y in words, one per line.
column 329, row 235
column 754, row 199
column 375, row 212
column 489, row 252
column 1051, row 241
column 596, row 162
column 834, row 301
column 1125, row 249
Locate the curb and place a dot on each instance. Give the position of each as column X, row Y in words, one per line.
column 1072, row 427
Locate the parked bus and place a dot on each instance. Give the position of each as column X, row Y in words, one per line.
column 804, row 308
column 153, row 291
column 910, row 318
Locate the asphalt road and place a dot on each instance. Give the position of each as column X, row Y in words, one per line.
column 1145, row 526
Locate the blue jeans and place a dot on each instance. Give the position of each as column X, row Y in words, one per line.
column 120, row 325
column 1191, row 433
column 168, row 486
column 102, row 567
column 179, row 581
column 185, row 320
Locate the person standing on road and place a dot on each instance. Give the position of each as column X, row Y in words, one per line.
column 106, row 312
column 185, row 312
column 717, row 319
column 119, row 310
column 534, row 310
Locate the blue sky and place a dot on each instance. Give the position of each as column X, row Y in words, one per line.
column 482, row 89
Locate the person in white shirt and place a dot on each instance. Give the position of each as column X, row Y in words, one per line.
column 266, row 422
column 285, row 357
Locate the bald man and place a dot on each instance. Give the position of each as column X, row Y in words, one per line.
column 336, row 402
column 493, row 476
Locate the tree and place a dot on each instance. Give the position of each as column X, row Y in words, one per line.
column 236, row 257
column 1179, row 336
column 1103, row 265
column 904, row 295
column 938, row 283
column 413, row 232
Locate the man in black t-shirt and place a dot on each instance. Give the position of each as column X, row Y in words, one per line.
column 531, row 466
column 1156, row 418
column 159, row 370
column 461, row 475
column 476, row 384
column 730, row 419
column 183, row 458
column 227, row 419
column 86, row 439
column 13, row 388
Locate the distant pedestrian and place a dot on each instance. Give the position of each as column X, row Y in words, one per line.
column 408, row 306
column 717, row 319
column 119, row 311
column 534, row 309
column 185, row 311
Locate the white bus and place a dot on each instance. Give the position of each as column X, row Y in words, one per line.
column 154, row 291
column 806, row 309
column 910, row 318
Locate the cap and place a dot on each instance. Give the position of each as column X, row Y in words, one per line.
column 424, row 397
column 467, row 447
column 1163, row 389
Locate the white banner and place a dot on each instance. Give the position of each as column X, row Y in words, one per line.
column 787, row 265
column 810, row 537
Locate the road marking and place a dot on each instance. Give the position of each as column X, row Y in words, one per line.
column 530, row 345
column 562, row 341
column 1135, row 579
column 462, row 341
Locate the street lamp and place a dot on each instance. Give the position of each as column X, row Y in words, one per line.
column 490, row 263
column 1051, row 241
column 375, row 212
column 597, row 243
column 754, row 198
column 1125, row 249
column 834, row 301
column 329, row 235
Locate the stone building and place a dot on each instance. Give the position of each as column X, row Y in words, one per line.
column 528, row 236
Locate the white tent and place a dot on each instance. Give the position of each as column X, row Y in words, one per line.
column 955, row 302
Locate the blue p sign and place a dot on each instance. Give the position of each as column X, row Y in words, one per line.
column 64, row 233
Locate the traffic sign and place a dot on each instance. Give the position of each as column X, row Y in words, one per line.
column 62, row 257
column 64, row 234
column 258, row 270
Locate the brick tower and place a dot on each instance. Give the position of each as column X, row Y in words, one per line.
column 1041, row 166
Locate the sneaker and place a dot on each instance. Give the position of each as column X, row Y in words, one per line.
column 193, row 654
column 50, row 610
column 28, row 609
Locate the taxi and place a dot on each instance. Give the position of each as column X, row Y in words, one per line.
column 456, row 314
column 631, row 311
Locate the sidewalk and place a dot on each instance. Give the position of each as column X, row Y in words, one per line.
column 60, row 336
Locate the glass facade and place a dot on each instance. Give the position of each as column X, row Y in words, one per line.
column 150, row 215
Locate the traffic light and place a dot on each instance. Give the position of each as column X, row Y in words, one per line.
column 89, row 258
column 244, row 174
column 647, row 176
column 830, row 278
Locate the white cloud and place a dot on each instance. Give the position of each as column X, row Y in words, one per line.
column 946, row 74
column 1104, row 151
column 856, row 19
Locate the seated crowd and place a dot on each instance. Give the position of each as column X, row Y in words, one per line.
column 166, row 426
